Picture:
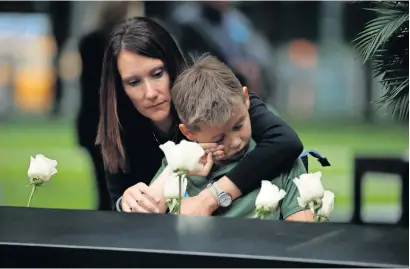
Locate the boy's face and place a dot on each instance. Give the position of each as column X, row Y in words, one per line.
column 234, row 135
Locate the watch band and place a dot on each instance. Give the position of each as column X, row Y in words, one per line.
column 222, row 198
column 214, row 192
column 217, row 188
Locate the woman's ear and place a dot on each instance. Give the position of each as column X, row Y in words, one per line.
column 246, row 95
column 188, row 133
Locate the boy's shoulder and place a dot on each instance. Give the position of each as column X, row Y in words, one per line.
column 289, row 174
column 297, row 169
column 164, row 164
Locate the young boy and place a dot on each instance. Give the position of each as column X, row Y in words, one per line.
column 213, row 108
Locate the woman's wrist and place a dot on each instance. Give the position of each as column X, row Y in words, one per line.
column 118, row 206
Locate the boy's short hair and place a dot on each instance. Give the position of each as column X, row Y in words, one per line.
column 206, row 92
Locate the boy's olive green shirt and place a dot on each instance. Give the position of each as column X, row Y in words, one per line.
column 244, row 206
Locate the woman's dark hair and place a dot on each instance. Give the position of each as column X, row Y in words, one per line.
column 145, row 37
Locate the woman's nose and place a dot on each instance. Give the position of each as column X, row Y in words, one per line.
column 150, row 91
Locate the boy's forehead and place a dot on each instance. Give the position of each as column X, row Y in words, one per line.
column 238, row 115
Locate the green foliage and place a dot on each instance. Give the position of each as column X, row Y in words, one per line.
column 384, row 42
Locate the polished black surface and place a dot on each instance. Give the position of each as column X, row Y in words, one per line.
column 49, row 237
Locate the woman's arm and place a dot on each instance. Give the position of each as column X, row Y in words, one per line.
column 116, row 185
column 278, row 146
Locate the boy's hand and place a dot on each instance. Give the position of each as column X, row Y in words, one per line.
column 202, row 204
column 216, row 150
column 204, row 167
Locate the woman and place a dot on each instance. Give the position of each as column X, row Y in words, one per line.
column 136, row 115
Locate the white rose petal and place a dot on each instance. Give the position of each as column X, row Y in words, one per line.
column 171, row 186
column 41, row 168
column 310, row 188
column 328, row 202
column 184, row 156
column 269, row 196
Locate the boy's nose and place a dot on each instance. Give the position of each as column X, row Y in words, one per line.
column 235, row 143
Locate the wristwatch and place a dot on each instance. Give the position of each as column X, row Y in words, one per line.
column 223, row 199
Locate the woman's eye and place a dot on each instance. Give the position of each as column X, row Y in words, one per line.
column 219, row 141
column 133, row 83
column 158, row 74
column 238, row 127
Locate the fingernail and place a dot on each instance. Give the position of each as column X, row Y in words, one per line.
column 156, row 211
column 158, row 200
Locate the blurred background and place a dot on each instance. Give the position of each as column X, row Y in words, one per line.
column 297, row 56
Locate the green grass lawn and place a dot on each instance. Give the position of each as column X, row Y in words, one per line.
column 340, row 143
column 72, row 186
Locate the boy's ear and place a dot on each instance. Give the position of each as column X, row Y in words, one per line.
column 246, row 94
column 185, row 131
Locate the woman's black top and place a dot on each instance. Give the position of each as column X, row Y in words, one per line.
column 278, row 146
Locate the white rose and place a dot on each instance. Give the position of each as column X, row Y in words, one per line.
column 310, row 188
column 171, row 186
column 269, row 196
column 184, row 156
column 328, row 202
column 41, row 169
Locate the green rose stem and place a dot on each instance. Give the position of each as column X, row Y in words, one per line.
column 179, row 194
column 315, row 206
column 262, row 213
column 31, row 195
column 180, row 173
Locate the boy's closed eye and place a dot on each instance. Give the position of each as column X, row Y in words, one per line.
column 237, row 127
column 220, row 140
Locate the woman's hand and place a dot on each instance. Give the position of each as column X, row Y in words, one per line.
column 216, row 150
column 139, row 198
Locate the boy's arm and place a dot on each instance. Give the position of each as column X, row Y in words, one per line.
column 303, row 216
column 290, row 208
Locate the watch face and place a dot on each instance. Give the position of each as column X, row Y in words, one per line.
column 225, row 200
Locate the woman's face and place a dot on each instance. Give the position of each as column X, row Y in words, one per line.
column 146, row 83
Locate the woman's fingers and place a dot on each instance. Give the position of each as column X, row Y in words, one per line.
column 129, row 204
column 149, row 205
column 139, row 198
column 144, row 202
column 148, row 192
column 124, row 206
